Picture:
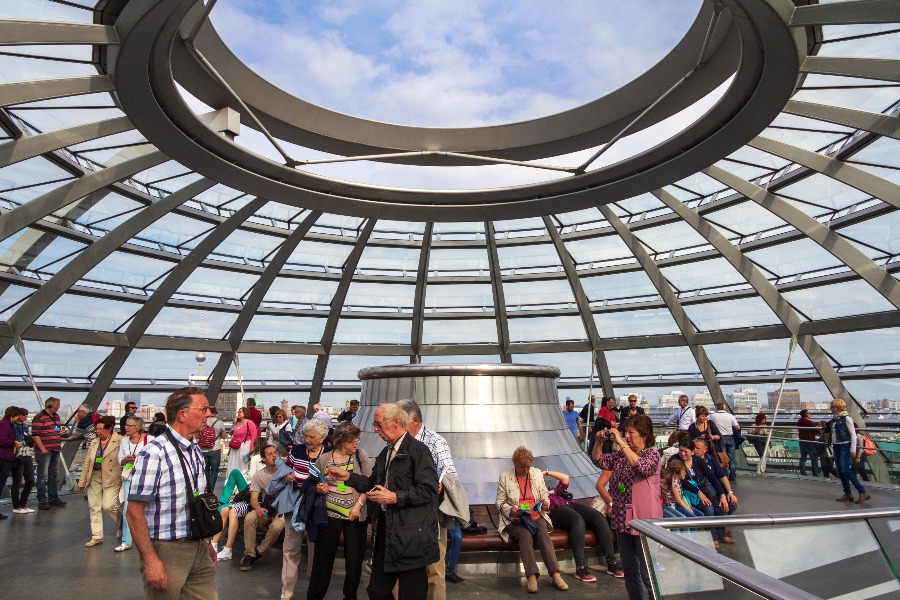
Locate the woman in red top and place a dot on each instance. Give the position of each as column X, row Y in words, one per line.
column 242, row 435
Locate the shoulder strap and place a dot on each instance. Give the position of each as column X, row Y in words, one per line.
column 182, row 460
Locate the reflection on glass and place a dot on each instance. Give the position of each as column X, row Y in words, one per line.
column 675, row 575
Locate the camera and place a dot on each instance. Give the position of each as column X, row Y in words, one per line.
column 607, row 435
column 565, row 495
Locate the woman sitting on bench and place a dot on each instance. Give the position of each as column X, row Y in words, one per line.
column 566, row 513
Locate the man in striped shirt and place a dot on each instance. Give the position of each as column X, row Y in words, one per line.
column 47, row 434
column 174, row 564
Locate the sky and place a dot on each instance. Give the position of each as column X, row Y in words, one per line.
column 462, row 63
column 430, row 63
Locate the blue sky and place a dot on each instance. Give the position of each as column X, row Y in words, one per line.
column 459, row 63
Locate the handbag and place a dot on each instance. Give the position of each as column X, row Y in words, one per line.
column 600, row 505
column 203, row 509
column 235, row 444
column 721, row 456
column 724, row 461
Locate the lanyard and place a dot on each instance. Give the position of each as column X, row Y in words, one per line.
column 101, row 447
column 525, row 492
column 134, row 448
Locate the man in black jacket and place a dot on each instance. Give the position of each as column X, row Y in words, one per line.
column 629, row 410
column 403, row 496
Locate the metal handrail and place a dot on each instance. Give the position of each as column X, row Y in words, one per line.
column 735, row 572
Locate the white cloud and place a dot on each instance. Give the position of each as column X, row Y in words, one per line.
column 467, row 63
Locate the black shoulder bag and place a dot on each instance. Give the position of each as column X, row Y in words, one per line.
column 203, row 509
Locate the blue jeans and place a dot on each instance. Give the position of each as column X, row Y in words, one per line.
column 126, row 532
column 811, row 450
column 454, row 547
column 842, row 464
column 47, row 476
column 727, row 442
column 211, row 461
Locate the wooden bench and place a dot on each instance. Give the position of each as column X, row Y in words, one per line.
column 488, row 517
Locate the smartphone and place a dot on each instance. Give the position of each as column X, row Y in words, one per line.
column 374, row 489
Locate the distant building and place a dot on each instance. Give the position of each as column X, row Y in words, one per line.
column 744, row 399
column 116, row 408
column 670, row 400
column 790, row 400
column 227, row 403
column 807, row 405
column 703, row 398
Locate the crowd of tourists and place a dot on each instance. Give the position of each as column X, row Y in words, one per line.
column 308, row 481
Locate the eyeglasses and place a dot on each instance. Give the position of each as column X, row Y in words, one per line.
column 380, row 424
column 203, row 408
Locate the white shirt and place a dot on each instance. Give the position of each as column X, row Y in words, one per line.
column 724, row 421
column 683, row 417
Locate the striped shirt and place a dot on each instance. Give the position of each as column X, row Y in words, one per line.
column 440, row 450
column 46, row 426
column 299, row 461
column 158, row 480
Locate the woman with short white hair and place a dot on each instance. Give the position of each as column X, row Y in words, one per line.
column 302, row 457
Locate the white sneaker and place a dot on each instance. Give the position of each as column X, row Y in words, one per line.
column 122, row 547
column 28, row 510
column 224, row 554
column 20, row 511
column 215, row 547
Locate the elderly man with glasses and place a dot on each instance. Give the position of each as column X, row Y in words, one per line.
column 175, row 565
column 403, row 495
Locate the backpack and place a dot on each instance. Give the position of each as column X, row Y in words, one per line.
column 285, row 436
column 207, row 438
column 868, row 446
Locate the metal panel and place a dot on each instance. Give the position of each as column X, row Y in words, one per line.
column 255, row 298
column 829, row 240
column 687, row 328
column 21, row 92
column 485, row 415
column 22, row 216
column 584, row 307
column 33, row 145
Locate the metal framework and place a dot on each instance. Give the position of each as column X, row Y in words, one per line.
column 142, row 55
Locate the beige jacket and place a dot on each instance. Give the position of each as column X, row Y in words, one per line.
column 508, row 497
column 111, row 470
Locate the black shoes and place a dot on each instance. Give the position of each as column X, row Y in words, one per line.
column 247, row 561
column 454, row 578
column 58, row 502
column 44, row 506
column 2, row 516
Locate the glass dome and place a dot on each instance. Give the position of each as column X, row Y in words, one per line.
column 156, row 206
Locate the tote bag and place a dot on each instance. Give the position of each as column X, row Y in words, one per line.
column 645, row 499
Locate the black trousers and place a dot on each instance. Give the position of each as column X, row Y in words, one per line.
column 326, row 550
column 413, row 583
column 22, row 471
column 634, row 564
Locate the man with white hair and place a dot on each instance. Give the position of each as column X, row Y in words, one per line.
column 403, row 487
column 320, row 414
